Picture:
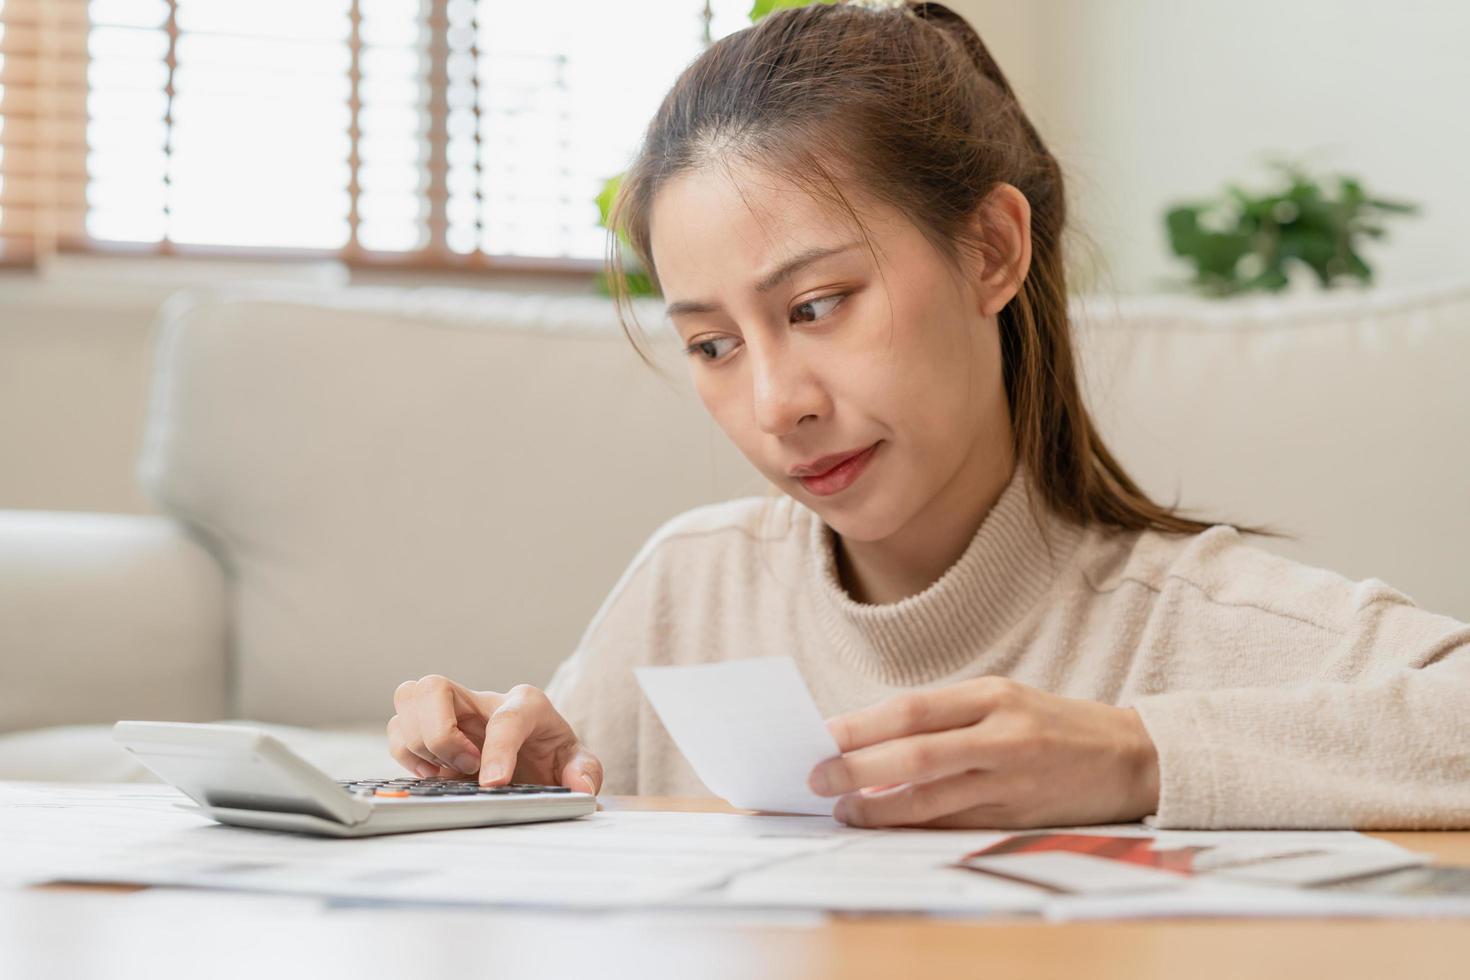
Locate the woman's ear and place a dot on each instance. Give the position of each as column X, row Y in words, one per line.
column 1003, row 220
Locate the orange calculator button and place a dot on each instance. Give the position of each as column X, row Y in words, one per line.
column 391, row 792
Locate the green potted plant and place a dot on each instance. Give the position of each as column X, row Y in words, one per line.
column 1241, row 242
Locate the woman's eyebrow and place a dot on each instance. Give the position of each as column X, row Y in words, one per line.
column 770, row 281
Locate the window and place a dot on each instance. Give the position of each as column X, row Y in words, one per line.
column 43, row 106
column 433, row 132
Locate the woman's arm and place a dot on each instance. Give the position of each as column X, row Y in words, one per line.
column 1389, row 748
column 1269, row 694
column 595, row 688
column 600, row 707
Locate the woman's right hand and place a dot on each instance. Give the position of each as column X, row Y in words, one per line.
column 444, row 729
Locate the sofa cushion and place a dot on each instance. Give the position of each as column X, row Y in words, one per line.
column 104, row 616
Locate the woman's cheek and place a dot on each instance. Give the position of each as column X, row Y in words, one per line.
column 720, row 400
column 736, row 421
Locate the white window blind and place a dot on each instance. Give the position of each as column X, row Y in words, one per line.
column 453, row 132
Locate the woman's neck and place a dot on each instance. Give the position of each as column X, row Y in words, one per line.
column 914, row 557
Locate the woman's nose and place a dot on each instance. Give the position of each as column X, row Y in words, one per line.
column 785, row 391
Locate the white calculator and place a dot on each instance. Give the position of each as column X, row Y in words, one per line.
column 245, row 777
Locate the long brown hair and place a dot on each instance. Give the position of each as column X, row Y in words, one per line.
column 919, row 115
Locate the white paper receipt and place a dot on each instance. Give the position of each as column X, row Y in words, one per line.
column 749, row 728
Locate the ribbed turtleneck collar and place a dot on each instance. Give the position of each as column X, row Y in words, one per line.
column 1004, row 571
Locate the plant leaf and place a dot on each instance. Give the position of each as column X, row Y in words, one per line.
column 764, row 7
column 1303, row 221
column 605, row 198
column 1396, row 207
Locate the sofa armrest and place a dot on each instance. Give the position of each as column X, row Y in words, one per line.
column 107, row 616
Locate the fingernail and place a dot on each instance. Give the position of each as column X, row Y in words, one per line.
column 424, row 770
column 819, row 781
column 876, row 790
column 467, row 763
column 591, row 786
column 489, row 774
column 842, row 811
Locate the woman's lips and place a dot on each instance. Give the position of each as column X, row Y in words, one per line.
column 840, row 477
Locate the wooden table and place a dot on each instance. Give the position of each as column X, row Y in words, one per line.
column 230, row 936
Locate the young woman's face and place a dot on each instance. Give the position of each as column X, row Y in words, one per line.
column 896, row 361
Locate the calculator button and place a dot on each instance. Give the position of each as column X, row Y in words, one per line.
column 392, row 792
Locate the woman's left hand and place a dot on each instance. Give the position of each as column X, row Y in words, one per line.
column 989, row 752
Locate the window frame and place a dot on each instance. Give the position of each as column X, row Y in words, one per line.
column 434, row 257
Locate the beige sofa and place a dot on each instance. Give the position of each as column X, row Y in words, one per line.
column 365, row 485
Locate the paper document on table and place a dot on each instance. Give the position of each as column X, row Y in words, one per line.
column 748, row 727
column 603, row 860
column 50, row 829
column 623, row 860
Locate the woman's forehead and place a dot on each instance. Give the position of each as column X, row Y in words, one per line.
column 748, row 218
column 750, row 202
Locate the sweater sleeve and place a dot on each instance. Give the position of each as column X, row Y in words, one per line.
column 588, row 694
column 595, row 688
column 1379, row 738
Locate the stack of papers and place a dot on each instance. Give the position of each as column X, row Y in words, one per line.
column 649, row 860
column 607, row 860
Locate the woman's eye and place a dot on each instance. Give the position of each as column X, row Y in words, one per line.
column 834, row 299
column 708, row 350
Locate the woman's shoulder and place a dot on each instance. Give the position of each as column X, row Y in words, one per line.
column 708, row 536
column 732, row 523
column 1223, row 566
column 754, row 517
column 696, row 552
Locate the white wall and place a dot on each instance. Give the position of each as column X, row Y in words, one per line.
column 1149, row 101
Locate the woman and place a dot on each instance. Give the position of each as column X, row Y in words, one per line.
column 859, row 233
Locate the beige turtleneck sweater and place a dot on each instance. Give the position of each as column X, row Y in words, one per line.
column 1276, row 693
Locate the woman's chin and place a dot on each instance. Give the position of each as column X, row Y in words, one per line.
column 868, row 520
